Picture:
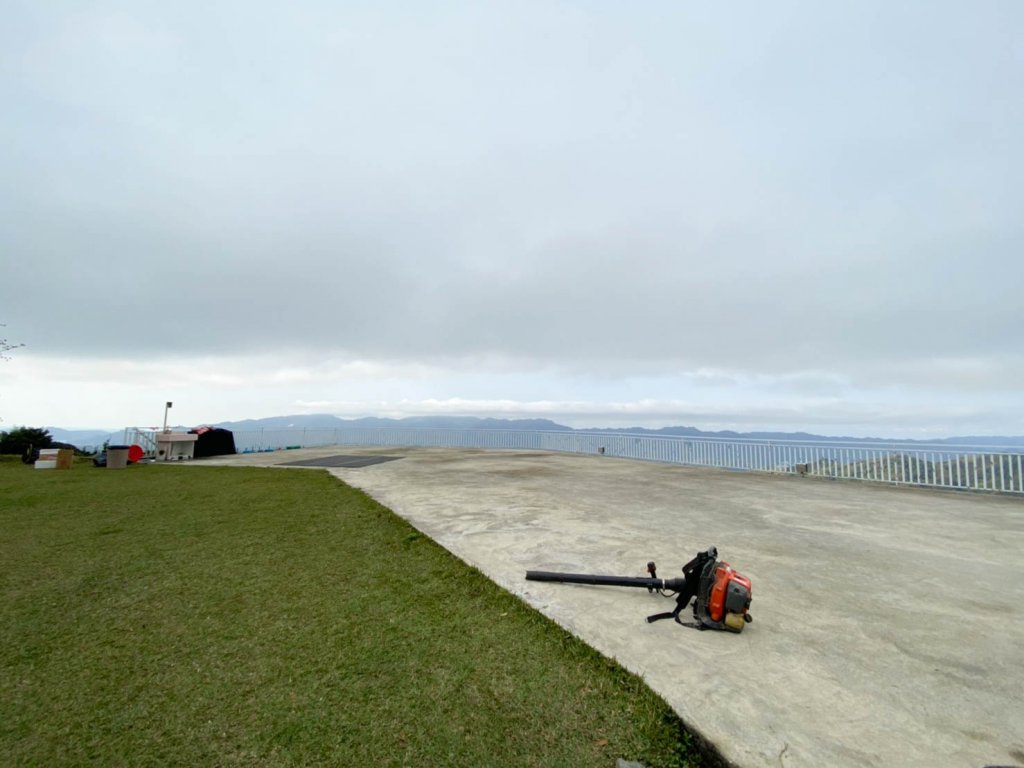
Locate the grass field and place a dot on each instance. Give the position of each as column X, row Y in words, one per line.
column 169, row 615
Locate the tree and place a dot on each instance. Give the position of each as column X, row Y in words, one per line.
column 22, row 440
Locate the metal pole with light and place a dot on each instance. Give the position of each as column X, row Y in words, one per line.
column 166, row 409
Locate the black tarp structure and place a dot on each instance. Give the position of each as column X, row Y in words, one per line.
column 213, row 441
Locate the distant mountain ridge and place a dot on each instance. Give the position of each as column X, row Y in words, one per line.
column 809, row 437
column 327, row 421
column 84, row 438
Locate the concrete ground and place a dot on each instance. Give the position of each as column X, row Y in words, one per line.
column 888, row 626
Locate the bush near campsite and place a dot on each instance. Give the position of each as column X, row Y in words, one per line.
column 21, row 439
column 27, row 441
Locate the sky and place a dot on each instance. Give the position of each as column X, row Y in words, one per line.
column 751, row 216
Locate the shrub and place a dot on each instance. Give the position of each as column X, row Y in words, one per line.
column 21, row 440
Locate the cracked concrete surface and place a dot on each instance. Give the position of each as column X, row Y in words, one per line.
column 888, row 623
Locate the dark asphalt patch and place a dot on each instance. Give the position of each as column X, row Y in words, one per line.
column 351, row 462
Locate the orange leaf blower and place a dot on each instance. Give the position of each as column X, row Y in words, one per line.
column 721, row 595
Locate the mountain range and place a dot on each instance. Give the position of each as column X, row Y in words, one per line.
column 83, row 438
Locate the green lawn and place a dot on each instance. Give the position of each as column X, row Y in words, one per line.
column 169, row 615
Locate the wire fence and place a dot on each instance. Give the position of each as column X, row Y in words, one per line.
column 995, row 469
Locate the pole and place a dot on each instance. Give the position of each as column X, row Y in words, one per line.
column 166, row 409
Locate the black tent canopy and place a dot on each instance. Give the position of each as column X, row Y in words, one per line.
column 213, row 441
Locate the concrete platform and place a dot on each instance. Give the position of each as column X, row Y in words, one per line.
column 888, row 623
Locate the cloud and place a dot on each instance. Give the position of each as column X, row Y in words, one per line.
column 121, row 392
column 521, row 202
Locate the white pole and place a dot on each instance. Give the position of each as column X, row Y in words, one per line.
column 167, row 408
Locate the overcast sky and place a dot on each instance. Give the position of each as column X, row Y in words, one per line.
column 786, row 215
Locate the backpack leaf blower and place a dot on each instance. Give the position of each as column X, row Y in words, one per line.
column 722, row 594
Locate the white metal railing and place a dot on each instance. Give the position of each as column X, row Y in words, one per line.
column 997, row 469
column 143, row 437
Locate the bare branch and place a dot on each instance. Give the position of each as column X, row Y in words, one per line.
column 6, row 346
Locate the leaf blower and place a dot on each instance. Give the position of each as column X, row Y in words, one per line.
column 721, row 594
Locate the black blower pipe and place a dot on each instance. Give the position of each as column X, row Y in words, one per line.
column 642, row 582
